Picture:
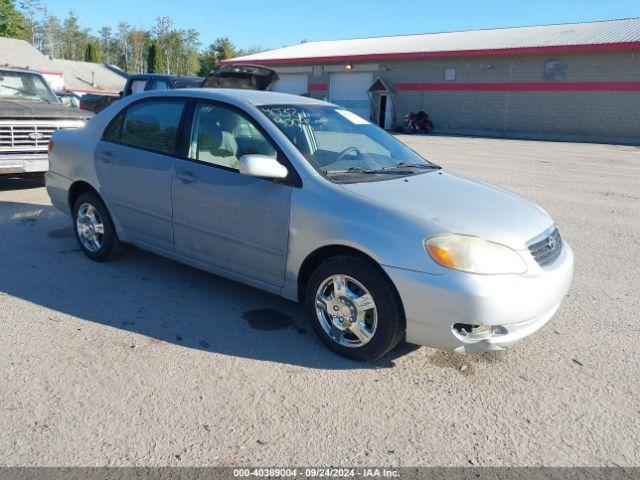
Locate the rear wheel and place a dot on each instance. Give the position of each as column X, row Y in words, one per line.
column 94, row 228
column 354, row 308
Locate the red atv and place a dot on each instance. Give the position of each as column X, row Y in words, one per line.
column 417, row 123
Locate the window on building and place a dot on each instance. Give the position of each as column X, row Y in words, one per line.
column 450, row 74
column 555, row 70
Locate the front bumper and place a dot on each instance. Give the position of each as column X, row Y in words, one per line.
column 521, row 304
column 12, row 164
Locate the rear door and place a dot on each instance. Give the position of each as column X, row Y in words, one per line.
column 234, row 222
column 135, row 160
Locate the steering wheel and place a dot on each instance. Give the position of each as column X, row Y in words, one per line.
column 346, row 152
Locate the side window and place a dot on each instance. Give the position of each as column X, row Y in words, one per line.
column 153, row 125
column 159, row 84
column 112, row 132
column 221, row 136
column 137, row 86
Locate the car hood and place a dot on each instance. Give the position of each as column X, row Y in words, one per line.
column 35, row 110
column 454, row 204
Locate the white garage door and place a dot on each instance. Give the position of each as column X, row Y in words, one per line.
column 295, row 84
column 349, row 90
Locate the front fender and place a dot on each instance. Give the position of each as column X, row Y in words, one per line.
column 328, row 215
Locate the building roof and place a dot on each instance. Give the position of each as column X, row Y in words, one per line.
column 89, row 77
column 20, row 53
column 590, row 36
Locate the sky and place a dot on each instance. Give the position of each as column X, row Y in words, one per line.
column 276, row 23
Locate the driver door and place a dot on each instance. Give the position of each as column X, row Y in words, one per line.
column 232, row 222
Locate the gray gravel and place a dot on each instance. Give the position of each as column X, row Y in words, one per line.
column 148, row 362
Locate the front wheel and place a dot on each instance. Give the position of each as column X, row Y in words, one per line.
column 354, row 308
column 94, row 228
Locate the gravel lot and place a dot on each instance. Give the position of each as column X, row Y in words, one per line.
column 148, row 362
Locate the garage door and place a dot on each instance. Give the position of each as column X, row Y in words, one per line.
column 349, row 90
column 295, row 84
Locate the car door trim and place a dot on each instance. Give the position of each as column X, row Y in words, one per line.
column 138, row 209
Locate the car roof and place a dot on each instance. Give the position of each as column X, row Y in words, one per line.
column 21, row 70
column 137, row 76
column 253, row 97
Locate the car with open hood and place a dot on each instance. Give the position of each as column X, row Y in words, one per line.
column 242, row 76
column 307, row 200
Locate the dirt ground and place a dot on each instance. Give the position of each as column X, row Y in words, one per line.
column 145, row 361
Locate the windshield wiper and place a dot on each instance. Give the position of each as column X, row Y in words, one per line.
column 355, row 170
column 405, row 165
column 350, row 170
column 29, row 94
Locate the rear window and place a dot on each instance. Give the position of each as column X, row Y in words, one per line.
column 188, row 83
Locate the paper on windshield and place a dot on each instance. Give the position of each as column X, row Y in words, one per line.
column 352, row 117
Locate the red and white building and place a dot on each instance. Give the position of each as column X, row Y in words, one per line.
column 573, row 81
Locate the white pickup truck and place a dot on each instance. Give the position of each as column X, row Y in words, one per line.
column 29, row 114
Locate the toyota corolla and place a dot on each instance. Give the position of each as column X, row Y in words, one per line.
column 307, row 200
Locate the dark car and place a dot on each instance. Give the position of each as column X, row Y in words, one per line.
column 152, row 81
column 96, row 102
column 29, row 114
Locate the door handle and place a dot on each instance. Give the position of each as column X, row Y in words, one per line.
column 106, row 156
column 186, row 177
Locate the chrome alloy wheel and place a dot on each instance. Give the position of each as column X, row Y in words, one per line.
column 346, row 311
column 90, row 227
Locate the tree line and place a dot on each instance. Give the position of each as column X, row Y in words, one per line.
column 162, row 49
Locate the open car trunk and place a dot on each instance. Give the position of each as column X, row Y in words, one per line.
column 248, row 77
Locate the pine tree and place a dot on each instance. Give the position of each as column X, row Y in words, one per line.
column 12, row 23
column 154, row 59
column 31, row 9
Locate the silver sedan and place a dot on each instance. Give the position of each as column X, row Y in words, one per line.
column 307, row 200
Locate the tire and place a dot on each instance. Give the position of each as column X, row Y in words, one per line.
column 37, row 177
column 390, row 324
column 108, row 246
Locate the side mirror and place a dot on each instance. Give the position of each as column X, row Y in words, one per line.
column 262, row 166
column 121, row 93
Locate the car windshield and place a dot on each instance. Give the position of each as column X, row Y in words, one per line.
column 341, row 144
column 25, row 86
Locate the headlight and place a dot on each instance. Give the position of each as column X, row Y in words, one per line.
column 474, row 255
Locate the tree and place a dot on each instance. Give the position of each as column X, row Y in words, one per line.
column 51, row 35
column 107, row 40
column 73, row 38
column 31, row 9
column 12, row 22
column 93, row 52
column 123, row 45
column 138, row 45
column 220, row 49
column 162, row 31
column 154, row 58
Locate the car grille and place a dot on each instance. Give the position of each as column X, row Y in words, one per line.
column 21, row 137
column 548, row 249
